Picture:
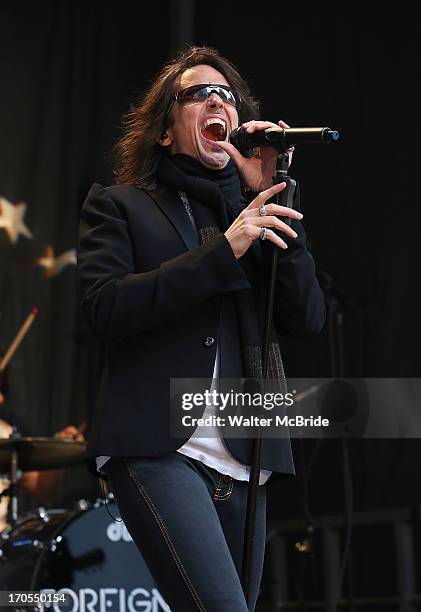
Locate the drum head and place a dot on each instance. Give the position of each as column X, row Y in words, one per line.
column 92, row 558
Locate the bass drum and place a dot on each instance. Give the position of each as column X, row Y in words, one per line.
column 84, row 553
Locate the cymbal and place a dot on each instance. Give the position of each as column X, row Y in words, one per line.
column 37, row 453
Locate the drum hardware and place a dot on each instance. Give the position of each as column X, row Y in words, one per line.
column 43, row 514
column 102, row 501
column 25, row 454
column 7, row 476
column 13, row 487
column 37, row 544
column 81, row 505
column 3, row 536
column 55, row 542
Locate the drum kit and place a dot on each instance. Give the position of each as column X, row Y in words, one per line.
column 85, row 553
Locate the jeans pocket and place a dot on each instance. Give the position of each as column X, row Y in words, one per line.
column 224, row 487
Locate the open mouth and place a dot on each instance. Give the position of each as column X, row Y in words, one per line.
column 214, row 129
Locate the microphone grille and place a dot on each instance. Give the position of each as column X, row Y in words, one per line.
column 238, row 138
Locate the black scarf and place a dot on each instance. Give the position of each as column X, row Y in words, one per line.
column 215, row 199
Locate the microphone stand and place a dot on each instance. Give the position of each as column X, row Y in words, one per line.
column 337, row 365
column 12, row 491
column 284, row 198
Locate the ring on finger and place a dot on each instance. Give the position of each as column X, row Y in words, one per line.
column 263, row 233
column 262, row 210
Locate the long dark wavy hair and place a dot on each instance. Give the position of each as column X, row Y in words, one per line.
column 137, row 153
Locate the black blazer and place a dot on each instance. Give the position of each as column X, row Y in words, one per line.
column 148, row 290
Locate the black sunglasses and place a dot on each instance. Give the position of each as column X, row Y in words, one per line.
column 199, row 93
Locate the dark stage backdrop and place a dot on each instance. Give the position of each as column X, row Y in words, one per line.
column 69, row 69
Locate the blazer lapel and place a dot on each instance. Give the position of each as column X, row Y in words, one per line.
column 173, row 208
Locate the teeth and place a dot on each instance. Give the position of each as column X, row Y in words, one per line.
column 213, row 120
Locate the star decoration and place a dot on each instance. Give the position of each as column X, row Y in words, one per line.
column 11, row 219
column 54, row 265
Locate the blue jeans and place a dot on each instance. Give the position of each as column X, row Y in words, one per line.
column 188, row 521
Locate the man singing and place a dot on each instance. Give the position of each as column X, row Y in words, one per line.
column 173, row 269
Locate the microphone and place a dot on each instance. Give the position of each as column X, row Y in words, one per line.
column 279, row 138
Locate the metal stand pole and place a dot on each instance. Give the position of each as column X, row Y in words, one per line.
column 285, row 198
column 337, row 367
column 13, row 489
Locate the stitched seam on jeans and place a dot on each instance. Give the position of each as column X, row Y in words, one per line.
column 168, row 540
